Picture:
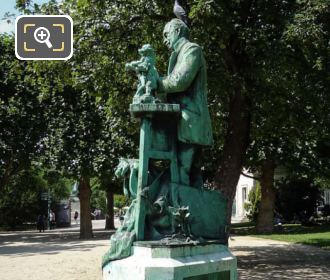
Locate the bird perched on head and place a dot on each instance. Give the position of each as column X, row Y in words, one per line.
column 180, row 12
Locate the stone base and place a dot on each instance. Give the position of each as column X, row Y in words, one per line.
column 178, row 262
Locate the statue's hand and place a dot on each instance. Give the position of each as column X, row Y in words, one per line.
column 160, row 94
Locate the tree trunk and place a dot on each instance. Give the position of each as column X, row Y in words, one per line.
column 8, row 174
column 3, row 182
column 267, row 204
column 109, row 219
column 85, row 192
column 236, row 143
column 238, row 129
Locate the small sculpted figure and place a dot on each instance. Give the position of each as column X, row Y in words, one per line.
column 147, row 73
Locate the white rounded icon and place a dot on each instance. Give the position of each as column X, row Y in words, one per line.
column 41, row 35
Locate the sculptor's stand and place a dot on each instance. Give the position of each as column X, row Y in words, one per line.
column 157, row 142
column 160, row 259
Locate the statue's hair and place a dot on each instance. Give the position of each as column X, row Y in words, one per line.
column 178, row 23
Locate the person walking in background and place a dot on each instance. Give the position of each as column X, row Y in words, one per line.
column 41, row 223
column 76, row 217
column 52, row 219
column 95, row 214
column 121, row 217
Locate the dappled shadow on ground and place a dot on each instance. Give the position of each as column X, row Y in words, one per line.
column 325, row 243
column 43, row 248
column 48, row 242
column 48, row 235
column 279, row 261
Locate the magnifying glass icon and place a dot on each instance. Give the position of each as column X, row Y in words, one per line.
column 41, row 35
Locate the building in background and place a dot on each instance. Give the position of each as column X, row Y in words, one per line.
column 326, row 197
column 243, row 189
column 63, row 215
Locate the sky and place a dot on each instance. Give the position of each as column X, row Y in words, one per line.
column 9, row 6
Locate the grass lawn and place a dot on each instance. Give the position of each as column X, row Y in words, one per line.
column 308, row 235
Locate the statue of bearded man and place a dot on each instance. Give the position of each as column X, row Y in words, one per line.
column 186, row 84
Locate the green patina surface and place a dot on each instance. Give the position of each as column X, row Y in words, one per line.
column 153, row 260
column 170, row 201
column 142, row 109
column 161, row 249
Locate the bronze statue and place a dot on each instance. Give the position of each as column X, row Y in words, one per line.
column 147, row 74
column 186, row 84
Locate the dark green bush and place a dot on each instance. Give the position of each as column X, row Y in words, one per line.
column 252, row 206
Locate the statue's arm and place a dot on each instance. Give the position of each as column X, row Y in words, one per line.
column 184, row 74
column 143, row 66
column 134, row 65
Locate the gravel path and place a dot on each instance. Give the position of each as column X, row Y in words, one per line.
column 55, row 255
column 263, row 259
column 60, row 255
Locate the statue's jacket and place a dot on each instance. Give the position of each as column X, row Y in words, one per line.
column 186, row 84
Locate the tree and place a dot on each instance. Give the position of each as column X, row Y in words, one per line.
column 120, row 201
column 143, row 21
column 103, row 198
column 297, row 199
column 85, row 131
column 253, row 204
column 260, row 60
column 21, row 199
column 246, row 46
column 75, row 124
column 21, row 115
column 98, row 199
column 23, row 128
column 298, row 81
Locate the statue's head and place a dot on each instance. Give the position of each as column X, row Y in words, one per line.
column 147, row 50
column 173, row 31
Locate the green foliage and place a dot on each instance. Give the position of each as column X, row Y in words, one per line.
column 274, row 52
column 293, row 85
column 85, row 111
column 253, row 204
column 21, row 115
column 98, row 198
column 121, row 201
column 297, row 199
column 23, row 122
column 58, row 185
column 20, row 201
